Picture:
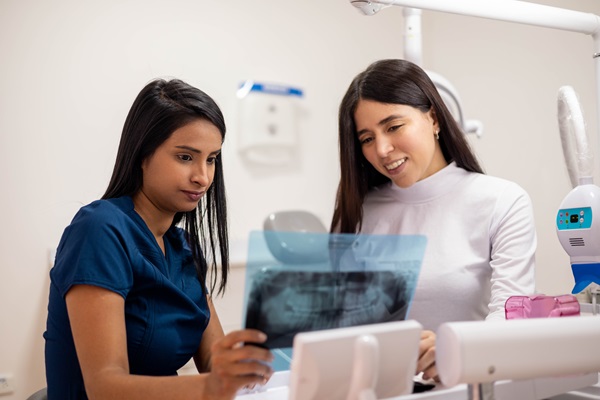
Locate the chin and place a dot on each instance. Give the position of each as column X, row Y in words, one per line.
column 403, row 183
column 187, row 208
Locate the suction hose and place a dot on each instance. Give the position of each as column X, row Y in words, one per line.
column 578, row 157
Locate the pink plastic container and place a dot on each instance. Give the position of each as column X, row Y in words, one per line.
column 541, row 306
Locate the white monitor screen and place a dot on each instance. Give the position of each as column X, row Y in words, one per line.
column 324, row 361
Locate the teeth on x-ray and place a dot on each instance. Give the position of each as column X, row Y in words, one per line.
column 317, row 281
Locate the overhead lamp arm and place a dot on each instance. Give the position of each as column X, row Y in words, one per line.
column 511, row 11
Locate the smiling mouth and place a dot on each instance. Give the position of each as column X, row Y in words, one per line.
column 395, row 164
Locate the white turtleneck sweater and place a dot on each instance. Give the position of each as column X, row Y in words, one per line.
column 481, row 242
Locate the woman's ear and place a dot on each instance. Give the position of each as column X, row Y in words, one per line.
column 434, row 119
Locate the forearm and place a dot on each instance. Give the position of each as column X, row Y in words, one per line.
column 123, row 386
column 212, row 334
column 202, row 363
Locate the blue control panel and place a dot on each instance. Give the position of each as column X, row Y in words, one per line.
column 574, row 218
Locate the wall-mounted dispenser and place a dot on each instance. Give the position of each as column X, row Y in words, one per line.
column 268, row 122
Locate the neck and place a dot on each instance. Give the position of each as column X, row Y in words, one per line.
column 157, row 220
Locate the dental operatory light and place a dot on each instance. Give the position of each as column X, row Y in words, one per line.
column 578, row 233
column 367, row 7
column 451, row 99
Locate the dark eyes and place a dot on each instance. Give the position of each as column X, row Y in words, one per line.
column 391, row 129
column 188, row 158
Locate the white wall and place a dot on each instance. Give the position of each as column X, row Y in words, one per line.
column 508, row 76
column 71, row 69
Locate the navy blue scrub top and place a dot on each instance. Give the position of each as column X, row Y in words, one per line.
column 109, row 245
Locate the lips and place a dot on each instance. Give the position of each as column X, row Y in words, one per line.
column 395, row 164
column 193, row 195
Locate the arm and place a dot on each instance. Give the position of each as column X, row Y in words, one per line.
column 98, row 324
column 212, row 333
column 512, row 259
column 212, row 343
column 513, row 244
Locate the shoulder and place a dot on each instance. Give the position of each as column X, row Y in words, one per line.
column 501, row 199
column 508, row 190
column 486, row 193
column 105, row 209
column 104, row 212
column 100, row 247
column 494, row 186
column 100, row 217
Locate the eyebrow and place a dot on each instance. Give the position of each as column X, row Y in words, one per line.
column 194, row 150
column 382, row 122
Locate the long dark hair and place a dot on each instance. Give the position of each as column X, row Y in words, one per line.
column 390, row 82
column 159, row 109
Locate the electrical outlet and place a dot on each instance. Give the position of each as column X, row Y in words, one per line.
column 6, row 384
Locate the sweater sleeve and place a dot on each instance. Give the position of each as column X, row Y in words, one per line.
column 513, row 243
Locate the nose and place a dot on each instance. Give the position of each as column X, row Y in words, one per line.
column 383, row 146
column 201, row 175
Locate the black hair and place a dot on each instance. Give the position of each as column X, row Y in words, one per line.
column 391, row 82
column 160, row 108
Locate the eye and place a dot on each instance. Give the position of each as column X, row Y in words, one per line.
column 184, row 157
column 365, row 140
column 394, row 128
column 211, row 160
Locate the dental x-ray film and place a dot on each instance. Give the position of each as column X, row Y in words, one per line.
column 299, row 281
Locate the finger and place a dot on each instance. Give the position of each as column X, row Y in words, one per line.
column 431, row 373
column 251, row 368
column 242, row 354
column 426, row 360
column 426, row 334
column 218, row 386
column 251, row 380
column 240, row 336
column 249, row 352
column 427, row 341
column 242, row 361
column 257, row 370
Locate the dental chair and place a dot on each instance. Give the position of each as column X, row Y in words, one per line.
column 281, row 231
column 294, row 221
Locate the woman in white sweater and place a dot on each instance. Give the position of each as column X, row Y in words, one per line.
column 406, row 168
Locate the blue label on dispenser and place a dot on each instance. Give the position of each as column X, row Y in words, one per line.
column 268, row 88
column 574, row 218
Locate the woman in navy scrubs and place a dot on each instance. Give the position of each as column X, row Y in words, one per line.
column 129, row 297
